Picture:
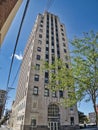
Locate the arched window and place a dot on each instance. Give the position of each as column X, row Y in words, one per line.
column 53, row 110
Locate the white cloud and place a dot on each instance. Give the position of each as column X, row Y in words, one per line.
column 18, row 57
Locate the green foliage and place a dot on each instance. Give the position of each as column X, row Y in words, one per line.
column 60, row 78
column 85, row 66
column 80, row 80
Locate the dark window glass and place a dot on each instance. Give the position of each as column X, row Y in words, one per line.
column 52, row 50
column 53, row 43
column 33, row 122
column 39, row 49
column 48, row 26
column 47, row 36
column 52, row 32
column 63, row 39
column 36, row 77
column 38, row 57
column 52, row 28
column 67, row 66
column 35, row 90
column 47, row 56
column 61, row 93
column 65, row 50
column 41, row 25
column 40, row 35
column 46, row 92
column 72, row 120
column 47, row 31
column 57, row 40
column 62, row 34
column 46, row 74
column 64, row 44
column 47, row 42
column 52, row 38
column 37, row 67
column 61, row 29
column 47, row 49
column 41, row 21
column 53, row 59
column 71, row 109
column 57, row 45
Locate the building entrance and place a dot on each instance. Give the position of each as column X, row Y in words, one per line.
column 53, row 117
column 54, row 125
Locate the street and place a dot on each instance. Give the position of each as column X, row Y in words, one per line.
column 5, row 128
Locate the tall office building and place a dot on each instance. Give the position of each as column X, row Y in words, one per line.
column 2, row 101
column 35, row 106
column 8, row 9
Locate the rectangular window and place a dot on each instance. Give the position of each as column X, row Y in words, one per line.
column 72, row 120
column 46, row 92
column 40, row 30
column 37, row 67
column 39, row 41
column 35, row 90
column 41, row 25
column 46, row 74
column 63, row 39
column 61, row 94
column 62, row 34
column 64, row 44
column 38, row 57
column 47, row 56
column 41, row 21
column 40, row 35
column 65, row 50
column 36, row 77
column 54, row 94
column 33, row 122
column 39, row 49
column 71, row 108
column 47, row 42
column 52, row 50
column 46, row 77
column 47, row 49
column 67, row 66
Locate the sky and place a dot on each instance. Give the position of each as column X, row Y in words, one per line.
column 78, row 16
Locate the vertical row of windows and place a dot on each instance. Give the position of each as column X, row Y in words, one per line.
column 57, row 38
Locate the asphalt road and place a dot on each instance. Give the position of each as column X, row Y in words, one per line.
column 5, row 128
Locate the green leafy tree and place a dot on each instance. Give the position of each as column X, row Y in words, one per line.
column 85, row 67
column 60, row 78
column 80, row 80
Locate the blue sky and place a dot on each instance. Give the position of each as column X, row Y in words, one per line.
column 78, row 16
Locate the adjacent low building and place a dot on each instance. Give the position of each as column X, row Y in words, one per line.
column 2, row 101
column 92, row 117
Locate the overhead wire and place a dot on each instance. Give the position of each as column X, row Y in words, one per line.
column 49, row 4
column 24, row 56
column 17, row 39
column 12, row 60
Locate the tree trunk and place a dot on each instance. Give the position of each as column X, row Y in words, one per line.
column 94, row 103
